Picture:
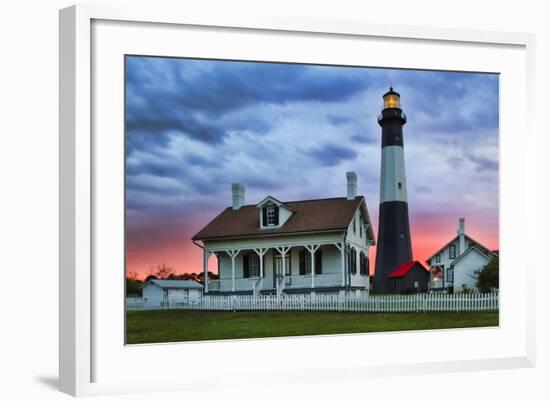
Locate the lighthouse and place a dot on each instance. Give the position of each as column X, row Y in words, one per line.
column 394, row 238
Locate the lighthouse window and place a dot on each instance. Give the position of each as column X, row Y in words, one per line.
column 402, row 235
column 399, row 185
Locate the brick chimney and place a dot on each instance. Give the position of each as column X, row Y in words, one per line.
column 352, row 184
column 238, row 195
column 461, row 236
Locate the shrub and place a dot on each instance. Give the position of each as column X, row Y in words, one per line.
column 487, row 278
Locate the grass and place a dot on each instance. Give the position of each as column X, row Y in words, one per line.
column 185, row 325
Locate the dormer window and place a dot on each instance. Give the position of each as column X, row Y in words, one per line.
column 273, row 213
column 270, row 215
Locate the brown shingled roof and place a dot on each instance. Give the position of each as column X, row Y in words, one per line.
column 309, row 215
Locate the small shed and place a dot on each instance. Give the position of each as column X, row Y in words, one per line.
column 162, row 292
column 409, row 277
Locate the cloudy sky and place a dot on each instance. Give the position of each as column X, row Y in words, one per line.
column 292, row 131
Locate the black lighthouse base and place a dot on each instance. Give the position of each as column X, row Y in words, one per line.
column 394, row 243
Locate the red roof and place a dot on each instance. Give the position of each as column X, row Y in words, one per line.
column 404, row 269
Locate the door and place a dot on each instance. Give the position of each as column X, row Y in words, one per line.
column 278, row 269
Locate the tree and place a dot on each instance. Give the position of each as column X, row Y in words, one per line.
column 200, row 277
column 133, row 284
column 487, row 278
column 162, row 271
column 132, row 275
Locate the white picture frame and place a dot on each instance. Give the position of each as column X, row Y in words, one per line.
column 78, row 315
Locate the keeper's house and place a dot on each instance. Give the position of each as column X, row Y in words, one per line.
column 317, row 245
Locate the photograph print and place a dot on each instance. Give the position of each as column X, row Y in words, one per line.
column 271, row 199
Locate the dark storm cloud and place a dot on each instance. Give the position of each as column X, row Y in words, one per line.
column 145, row 141
column 331, row 154
column 455, row 162
column 438, row 103
column 165, row 118
column 483, row 163
column 338, row 120
column 194, row 96
column 363, row 138
column 196, row 126
column 423, row 189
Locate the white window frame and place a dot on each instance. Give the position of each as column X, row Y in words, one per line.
column 270, row 215
column 453, row 255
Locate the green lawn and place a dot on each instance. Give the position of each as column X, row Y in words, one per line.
column 173, row 325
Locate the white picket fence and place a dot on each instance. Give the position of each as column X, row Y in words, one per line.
column 329, row 302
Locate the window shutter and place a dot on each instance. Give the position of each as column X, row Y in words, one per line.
column 302, row 263
column 264, row 216
column 276, row 216
column 367, row 265
column 351, row 264
column 355, row 262
column 289, row 264
column 263, row 258
column 245, row 266
column 318, row 262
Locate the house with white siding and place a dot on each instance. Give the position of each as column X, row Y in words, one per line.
column 277, row 247
column 454, row 266
column 162, row 292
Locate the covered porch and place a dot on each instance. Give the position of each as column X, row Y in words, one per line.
column 287, row 267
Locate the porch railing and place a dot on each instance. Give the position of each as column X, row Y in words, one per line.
column 281, row 284
column 290, row 281
column 320, row 280
column 258, row 286
column 241, row 284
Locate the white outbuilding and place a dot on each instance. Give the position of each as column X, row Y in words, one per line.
column 453, row 267
column 162, row 292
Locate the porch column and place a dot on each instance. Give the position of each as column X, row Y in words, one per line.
column 261, row 252
column 283, row 250
column 312, row 249
column 343, row 259
column 233, row 254
column 205, row 269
